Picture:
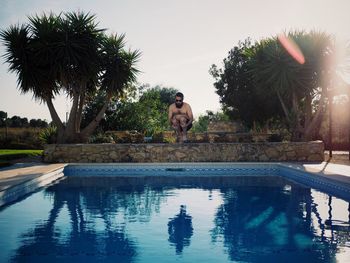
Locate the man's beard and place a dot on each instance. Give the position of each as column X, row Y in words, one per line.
column 179, row 105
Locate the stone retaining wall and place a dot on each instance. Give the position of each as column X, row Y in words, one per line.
column 195, row 137
column 190, row 152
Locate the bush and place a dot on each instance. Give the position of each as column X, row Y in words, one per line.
column 126, row 136
column 101, row 138
column 48, row 135
column 157, row 137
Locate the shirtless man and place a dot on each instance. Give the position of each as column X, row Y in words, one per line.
column 180, row 117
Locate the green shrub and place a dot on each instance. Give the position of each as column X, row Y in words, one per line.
column 101, row 138
column 48, row 135
column 158, row 137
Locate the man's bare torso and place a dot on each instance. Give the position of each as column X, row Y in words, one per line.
column 184, row 111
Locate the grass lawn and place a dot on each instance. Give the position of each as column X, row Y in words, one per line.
column 6, row 155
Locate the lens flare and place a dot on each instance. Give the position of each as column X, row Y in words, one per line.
column 292, row 48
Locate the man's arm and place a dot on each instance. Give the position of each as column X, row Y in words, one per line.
column 170, row 113
column 189, row 114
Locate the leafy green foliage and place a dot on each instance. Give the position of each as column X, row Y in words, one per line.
column 237, row 89
column 297, row 86
column 146, row 111
column 201, row 125
column 101, row 138
column 48, row 135
column 18, row 122
column 261, row 83
column 3, row 116
column 38, row 123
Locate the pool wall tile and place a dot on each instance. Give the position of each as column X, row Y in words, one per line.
column 313, row 180
column 206, row 169
column 316, row 180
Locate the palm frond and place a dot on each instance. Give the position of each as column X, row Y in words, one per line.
column 118, row 65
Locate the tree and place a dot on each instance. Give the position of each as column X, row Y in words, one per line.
column 69, row 53
column 3, row 118
column 201, row 125
column 153, row 105
column 301, row 88
column 238, row 93
column 38, row 123
column 149, row 107
column 262, row 82
column 18, row 122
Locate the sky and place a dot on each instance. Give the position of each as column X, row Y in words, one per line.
column 179, row 39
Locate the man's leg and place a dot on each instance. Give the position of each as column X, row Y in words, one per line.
column 176, row 126
column 184, row 128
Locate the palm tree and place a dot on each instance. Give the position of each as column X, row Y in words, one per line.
column 297, row 86
column 78, row 65
column 117, row 70
column 68, row 53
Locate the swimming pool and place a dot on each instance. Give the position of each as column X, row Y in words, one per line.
column 178, row 213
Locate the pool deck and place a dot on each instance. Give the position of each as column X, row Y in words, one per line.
column 23, row 172
column 337, row 168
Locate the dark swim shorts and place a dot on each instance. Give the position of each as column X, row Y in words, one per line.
column 188, row 127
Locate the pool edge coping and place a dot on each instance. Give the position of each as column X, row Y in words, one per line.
column 26, row 187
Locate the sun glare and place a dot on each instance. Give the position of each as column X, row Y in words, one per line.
column 292, row 48
column 342, row 60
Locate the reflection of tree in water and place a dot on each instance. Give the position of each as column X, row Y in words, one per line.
column 84, row 204
column 180, row 230
column 255, row 225
column 128, row 195
column 270, row 226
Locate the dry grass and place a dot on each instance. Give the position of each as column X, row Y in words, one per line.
column 20, row 138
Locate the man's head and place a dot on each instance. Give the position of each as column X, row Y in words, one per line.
column 179, row 98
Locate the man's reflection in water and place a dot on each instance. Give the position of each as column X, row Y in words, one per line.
column 180, row 230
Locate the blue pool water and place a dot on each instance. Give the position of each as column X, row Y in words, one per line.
column 176, row 219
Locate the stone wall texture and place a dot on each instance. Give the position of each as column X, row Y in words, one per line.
column 189, row 152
